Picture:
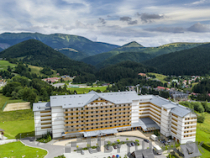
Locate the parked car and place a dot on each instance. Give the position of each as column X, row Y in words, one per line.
column 118, row 145
column 129, row 144
column 132, row 144
column 146, row 140
column 115, row 146
column 129, row 154
column 107, row 147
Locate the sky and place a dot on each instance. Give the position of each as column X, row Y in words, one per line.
column 148, row 22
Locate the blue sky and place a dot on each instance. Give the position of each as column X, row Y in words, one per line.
column 149, row 22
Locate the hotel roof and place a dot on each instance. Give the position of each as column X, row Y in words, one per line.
column 80, row 100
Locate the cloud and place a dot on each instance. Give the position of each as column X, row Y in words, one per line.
column 167, row 29
column 145, row 17
column 125, row 18
column 102, row 21
column 134, row 22
column 198, row 27
column 199, row 2
column 128, row 20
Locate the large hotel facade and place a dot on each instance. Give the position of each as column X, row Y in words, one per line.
column 98, row 114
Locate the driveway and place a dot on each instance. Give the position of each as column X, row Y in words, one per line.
column 53, row 150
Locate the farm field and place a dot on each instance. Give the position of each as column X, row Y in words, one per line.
column 17, row 149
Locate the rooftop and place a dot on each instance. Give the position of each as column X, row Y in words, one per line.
column 80, row 100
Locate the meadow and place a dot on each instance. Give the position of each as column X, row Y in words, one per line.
column 17, row 149
column 16, row 122
column 203, row 133
column 4, row 64
column 159, row 76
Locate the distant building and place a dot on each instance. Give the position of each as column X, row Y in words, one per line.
column 67, row 78
column 51, row 80
column 142, row 74
column 57, row 85
column 159, row 88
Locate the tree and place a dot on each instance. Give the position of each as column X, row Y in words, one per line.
column 9, row 69
column 206, row 106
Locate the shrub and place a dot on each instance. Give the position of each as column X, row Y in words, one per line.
column 200, row 119
column 206, row 146
column 45, row 138
column 206, row 106
column 61, row 156
column 198, row 107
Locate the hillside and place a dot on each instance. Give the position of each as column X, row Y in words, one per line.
column 72, row 53
column 194, row 61
column 36, row 53
column 122, row 70
column 58, row 41
column 134, row 47
column 133, row 56
column 130, row 47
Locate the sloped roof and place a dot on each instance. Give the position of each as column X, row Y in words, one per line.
column 80, row 100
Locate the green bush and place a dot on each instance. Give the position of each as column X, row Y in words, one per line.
column 206, row 106
column 45, row 138
column 200, row 119
column 61, row 156
column 206, row 146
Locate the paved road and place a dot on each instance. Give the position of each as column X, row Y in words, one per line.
column 53, row 150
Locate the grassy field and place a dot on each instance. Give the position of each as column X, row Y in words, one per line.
column 4, row 64
column 14, row 128
column 17, row 150
column 36, row 70
column 86, row 90
column 159, row 76
column 203, row 133
column 15, row 122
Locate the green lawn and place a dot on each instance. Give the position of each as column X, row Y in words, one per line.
column 14, row 128
column 159, row 76
column 203, row 133
column 86, row 90
column 4, row 64
column 15, row 122
column 17, row 150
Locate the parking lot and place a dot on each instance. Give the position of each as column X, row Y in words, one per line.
column 122, row 151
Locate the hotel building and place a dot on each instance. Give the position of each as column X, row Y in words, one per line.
column 95, row 114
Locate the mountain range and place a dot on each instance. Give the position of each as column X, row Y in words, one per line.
column 135, row 52
column 53, row 51
column 36, row 53
column 75, row 47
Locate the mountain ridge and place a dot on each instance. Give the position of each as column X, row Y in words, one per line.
column 59, row 41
